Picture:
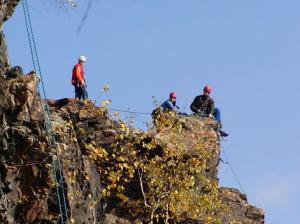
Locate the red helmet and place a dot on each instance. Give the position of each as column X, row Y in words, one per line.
column 172, row 95
column 207, row 89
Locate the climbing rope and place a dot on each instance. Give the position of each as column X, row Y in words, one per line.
column 232, row 170
column 144, row 113
column 28, row 35
column 128, row 111
column 56, row 168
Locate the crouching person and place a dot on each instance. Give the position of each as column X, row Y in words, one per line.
column 162, row 114
column 203, row 105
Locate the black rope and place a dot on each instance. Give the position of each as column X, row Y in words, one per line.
column 232, row 171
column 128, row 111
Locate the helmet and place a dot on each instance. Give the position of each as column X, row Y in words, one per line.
column 82, row 58
column 207, row 89
column 172, row 95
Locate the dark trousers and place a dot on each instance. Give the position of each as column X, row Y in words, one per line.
column 217, row 115
column 81, row 93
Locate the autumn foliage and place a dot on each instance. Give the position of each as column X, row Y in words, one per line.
column 155, row 180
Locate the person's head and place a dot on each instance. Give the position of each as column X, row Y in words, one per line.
column 207, row 90
column 173, row 96
column 82, row 59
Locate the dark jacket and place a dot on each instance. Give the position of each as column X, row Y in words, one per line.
column 203, row 104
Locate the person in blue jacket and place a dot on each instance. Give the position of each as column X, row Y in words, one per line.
column 170, row 104
column 167, row 106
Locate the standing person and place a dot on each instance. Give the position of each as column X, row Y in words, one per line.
column 78, row 79
column 204, row 105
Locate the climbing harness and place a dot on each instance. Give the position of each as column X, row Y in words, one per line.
column 56, row 168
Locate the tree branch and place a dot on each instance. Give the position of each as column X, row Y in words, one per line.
column 142, row 189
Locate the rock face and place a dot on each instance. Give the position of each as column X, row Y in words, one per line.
column 83, row 135
column 240, row 210
column 27, row 185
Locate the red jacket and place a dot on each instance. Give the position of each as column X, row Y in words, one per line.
column 77, row 74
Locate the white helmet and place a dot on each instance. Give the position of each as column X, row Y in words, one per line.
column 82, row 58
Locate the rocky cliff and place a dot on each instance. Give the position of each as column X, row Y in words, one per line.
column 92, row 146
column 110, row 173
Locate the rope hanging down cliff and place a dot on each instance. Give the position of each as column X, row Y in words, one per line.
column 47, row 116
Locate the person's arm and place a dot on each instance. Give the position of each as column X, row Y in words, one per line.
column 193, row 106
column 73, row 76
column 175, row 106
column 211, row 107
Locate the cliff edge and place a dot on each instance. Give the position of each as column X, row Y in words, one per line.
column 111, row 173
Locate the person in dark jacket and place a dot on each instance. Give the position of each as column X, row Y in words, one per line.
column 204, row 106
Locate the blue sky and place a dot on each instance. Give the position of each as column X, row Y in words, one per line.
column 247, row 50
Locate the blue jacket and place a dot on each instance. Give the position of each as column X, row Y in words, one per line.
column 167, row 106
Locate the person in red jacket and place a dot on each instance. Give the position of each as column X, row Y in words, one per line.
column 78, row 79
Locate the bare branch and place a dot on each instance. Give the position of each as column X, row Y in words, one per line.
column 142, row 189
column 85, row 16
